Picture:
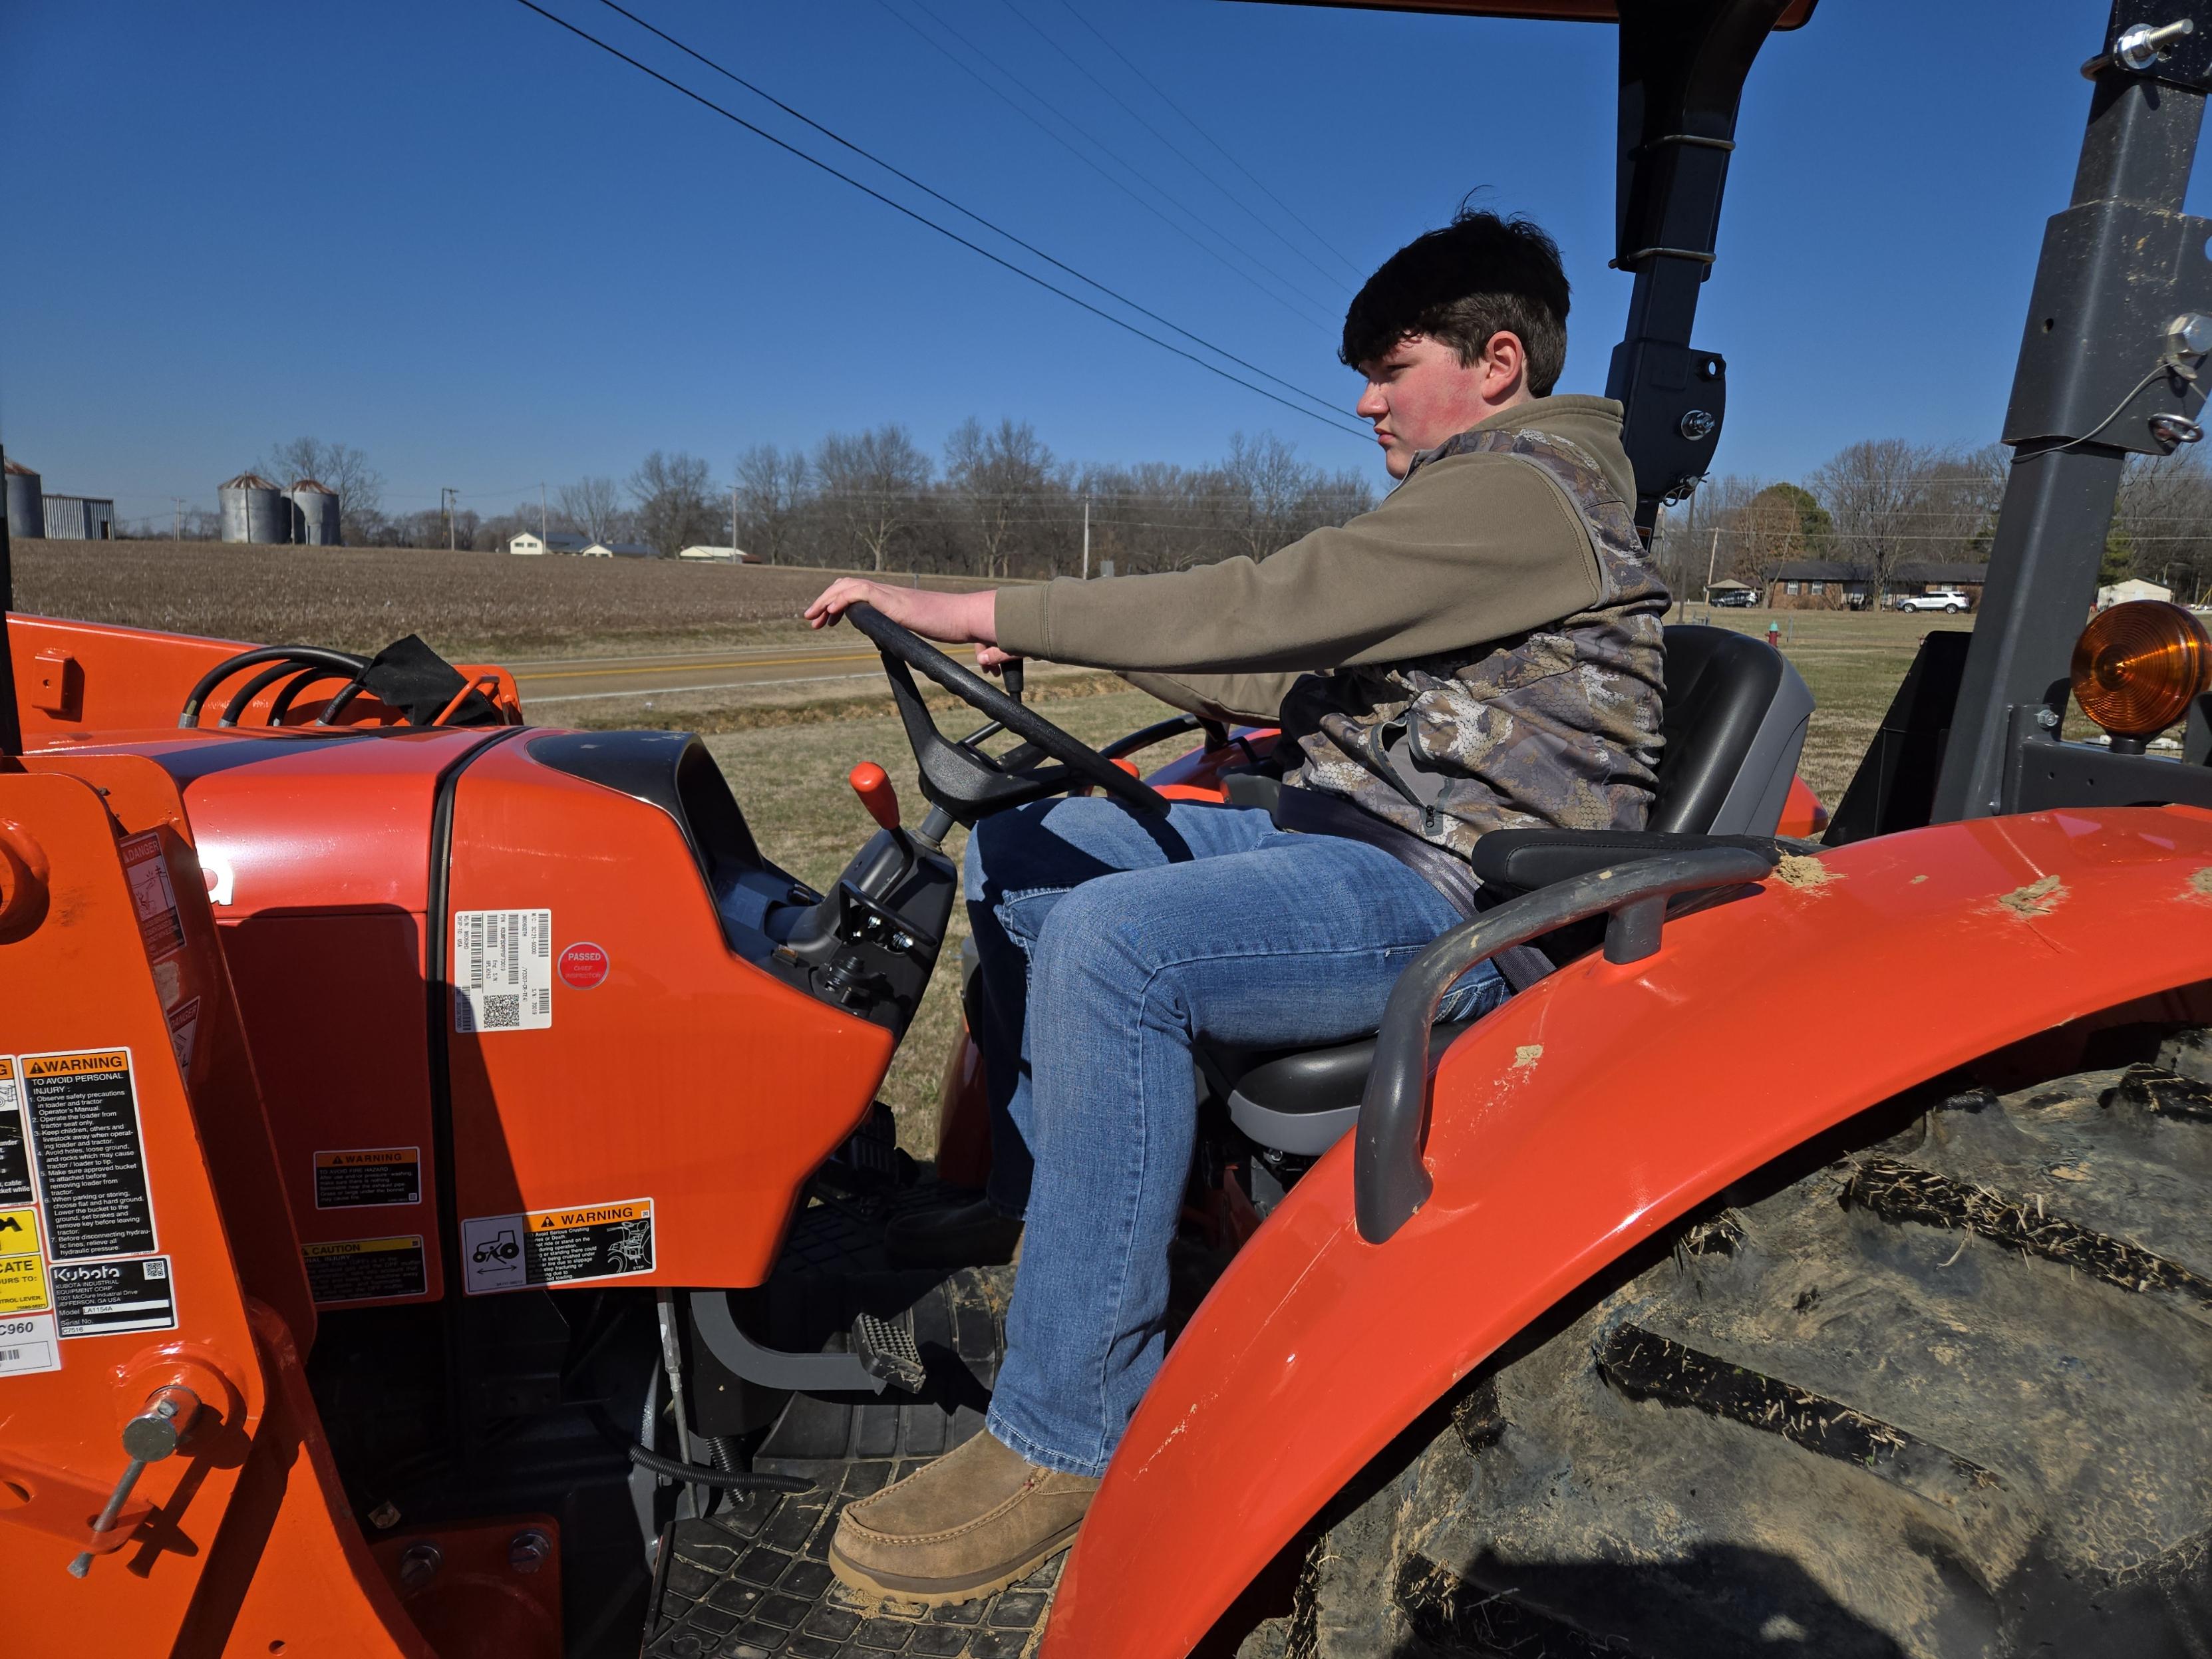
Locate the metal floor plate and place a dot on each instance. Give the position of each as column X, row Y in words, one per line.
column 754, row 1580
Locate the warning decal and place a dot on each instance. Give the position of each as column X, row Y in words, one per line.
column 502, row 971
column 92, row 1165
column 557, row 1246
column 28, row 1345
column 380, row 1174
column 14, row 1154
column 365, row 1269
column 185, row 1033
column 98, row 1298
column 152, row 896
column 22, row 1273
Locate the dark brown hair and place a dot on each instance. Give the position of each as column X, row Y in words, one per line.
column 1476, row 276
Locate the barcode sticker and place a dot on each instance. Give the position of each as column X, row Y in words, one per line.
column 502, row 971
column 28, row 1345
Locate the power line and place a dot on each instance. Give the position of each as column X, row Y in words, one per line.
column 1214, row 254
column 1189, row 121
column 1060, row 114
column 1172, row 148
column 922, row 219
column 997, row 229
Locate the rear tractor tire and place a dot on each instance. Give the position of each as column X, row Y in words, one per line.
column 1951, row 1396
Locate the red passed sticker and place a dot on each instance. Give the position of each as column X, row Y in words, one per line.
column 583, row 966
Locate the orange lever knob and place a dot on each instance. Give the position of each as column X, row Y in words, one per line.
column 876, row 793
column 1128, row 766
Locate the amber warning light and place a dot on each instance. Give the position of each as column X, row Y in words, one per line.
column 2138, row 666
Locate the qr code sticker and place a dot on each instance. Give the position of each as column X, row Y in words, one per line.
column 156, row 1269
column 502, row 971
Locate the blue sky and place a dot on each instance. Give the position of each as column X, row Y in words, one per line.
column 488, row 254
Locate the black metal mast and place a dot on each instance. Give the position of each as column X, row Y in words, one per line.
column 2110, row 361
column 1682, row 69
column 11, row 730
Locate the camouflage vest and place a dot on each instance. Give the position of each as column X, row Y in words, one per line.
column 1554, row 728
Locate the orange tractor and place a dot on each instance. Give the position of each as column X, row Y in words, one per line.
column 441, row 1201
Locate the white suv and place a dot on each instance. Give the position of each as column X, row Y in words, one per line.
column 1949, row 600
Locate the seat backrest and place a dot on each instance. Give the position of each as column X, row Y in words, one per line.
column 1735, row 722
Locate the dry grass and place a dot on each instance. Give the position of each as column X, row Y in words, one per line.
column 468, row 605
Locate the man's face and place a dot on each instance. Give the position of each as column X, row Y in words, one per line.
column 1418, row 394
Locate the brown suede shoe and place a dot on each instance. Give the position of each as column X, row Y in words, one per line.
column 972, row 1523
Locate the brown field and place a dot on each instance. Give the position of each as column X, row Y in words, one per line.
column 466, row 604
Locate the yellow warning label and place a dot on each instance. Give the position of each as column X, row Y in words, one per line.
column 22, row 1284
column 557, row 1246
column 365, row 1269
column 19, row 1231
column 7, row 1068
column 357, row 1247
column 105, row 1060
column 593, row 1215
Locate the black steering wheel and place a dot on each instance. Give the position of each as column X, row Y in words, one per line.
column 957, row 774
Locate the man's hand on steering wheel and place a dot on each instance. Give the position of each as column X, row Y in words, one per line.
column 955, row 618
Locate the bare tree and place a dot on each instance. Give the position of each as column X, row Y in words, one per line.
column 1263, row 482
column 339, row 468
column 2165, row 512
column 593, row 505
column 773, row 486
column 871, row 483
column 675, row 507
column 1001, row 478
column 1882, row 493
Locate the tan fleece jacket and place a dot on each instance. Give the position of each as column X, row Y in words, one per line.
column 1472, row 548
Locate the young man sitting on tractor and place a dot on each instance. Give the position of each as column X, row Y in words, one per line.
column 1483, row 650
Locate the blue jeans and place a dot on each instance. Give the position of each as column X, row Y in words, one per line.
column 1108, row 943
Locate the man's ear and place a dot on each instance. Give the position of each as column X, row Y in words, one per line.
column 1504, row 366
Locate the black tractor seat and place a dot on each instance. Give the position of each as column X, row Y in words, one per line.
column 1735, row 723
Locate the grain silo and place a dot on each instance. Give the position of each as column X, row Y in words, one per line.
column 27, row 512
column 255, row 510
column 315, row 509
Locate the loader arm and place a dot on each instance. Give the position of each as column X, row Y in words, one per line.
column 1579, row 1120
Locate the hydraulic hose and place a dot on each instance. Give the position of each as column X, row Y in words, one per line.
column 304, row 655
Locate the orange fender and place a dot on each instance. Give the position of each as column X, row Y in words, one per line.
column 1583, row 1117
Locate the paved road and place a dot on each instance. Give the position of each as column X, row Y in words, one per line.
column 588, row 679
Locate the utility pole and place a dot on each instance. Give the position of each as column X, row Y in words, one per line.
column 541, row 515
column 448, row 499
column 1086, row 535
column 733, row 522
column 177, row 529
column 1711, row 560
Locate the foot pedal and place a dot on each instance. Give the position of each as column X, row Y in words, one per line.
column 886, row 1348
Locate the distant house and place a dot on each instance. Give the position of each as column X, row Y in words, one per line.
column 2118, row 593
column 80, row 518
column 719, row 554
column 617, row 550
column 558, row 542
column 1833, row 585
